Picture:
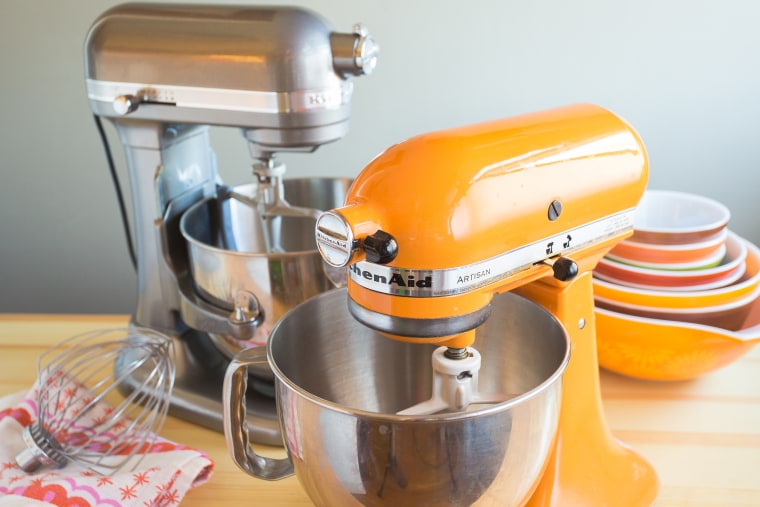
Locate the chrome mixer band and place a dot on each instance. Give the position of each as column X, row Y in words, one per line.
column 446, row 282
column 125, row 96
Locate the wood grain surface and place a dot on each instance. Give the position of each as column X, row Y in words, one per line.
column 702, row 436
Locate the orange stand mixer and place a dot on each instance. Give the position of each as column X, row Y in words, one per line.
column 437, row 225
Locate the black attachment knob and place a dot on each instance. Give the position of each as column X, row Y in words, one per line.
column 564, row 269
column 380, row 247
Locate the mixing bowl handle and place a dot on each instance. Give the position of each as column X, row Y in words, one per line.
column 235, row 426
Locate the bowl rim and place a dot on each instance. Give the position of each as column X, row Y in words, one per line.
column 745, row 334
column 554, row 381
column 714, row 240
column 736, row 254
column 721, row 209
column 728, row 278
column 681, row 299
column 708, row 261
column 737, row 303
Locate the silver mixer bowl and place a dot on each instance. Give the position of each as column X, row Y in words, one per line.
column 227, row 255
column 339, row 386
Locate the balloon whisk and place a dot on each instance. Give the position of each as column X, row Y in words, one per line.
column 90, row 410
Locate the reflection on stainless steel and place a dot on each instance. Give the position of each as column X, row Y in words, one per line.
column 339, row 386
column 227, row 254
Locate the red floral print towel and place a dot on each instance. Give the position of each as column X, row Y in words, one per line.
column 162, row 478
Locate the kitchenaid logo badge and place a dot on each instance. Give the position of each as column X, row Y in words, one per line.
column 332, row 241
column 390, row 279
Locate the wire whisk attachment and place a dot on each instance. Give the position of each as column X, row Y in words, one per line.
column 91, row 410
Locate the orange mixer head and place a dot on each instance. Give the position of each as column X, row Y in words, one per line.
column 436, row 225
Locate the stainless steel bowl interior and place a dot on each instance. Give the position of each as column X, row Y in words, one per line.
column 349, row 365
column 339, row 386
column 230, row 225
column 225, row 254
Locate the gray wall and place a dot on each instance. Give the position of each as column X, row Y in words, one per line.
column 683, row 72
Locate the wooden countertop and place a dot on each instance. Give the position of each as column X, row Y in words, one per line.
column 702, row 436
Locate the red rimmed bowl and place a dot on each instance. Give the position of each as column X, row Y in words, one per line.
column 727, row 272
column 643, row 254
column 665, row 299
column 729, row 315
column 670, row 217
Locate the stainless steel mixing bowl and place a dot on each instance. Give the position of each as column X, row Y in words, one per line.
column 338, row 388
column 227, row 256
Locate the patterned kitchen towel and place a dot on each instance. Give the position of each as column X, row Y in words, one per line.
column 162, row 478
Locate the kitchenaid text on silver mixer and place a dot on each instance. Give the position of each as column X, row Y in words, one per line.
column 446, row 282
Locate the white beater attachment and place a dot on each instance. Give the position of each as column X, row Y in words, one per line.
column 455, row 384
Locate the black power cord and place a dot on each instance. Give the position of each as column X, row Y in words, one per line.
column 117, row 187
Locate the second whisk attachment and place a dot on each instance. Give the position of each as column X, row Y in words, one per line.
column 90, row 410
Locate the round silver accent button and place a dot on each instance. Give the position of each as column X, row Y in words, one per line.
column 125, row 104
column 335, row 239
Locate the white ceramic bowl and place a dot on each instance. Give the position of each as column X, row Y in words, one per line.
column 670, row 217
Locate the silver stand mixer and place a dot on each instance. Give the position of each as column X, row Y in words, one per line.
column 164, row 73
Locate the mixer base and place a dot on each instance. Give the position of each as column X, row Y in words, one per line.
column 197, row 394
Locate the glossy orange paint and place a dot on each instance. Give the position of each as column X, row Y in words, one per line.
column 461, row 196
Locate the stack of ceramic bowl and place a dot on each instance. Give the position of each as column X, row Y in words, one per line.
column 679, row 297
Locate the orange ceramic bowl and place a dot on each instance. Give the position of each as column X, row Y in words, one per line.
column 654, row 349
column 666, row 299
column 727, row 272
column 729, row 316
column 669, row 217
column 643, row 254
